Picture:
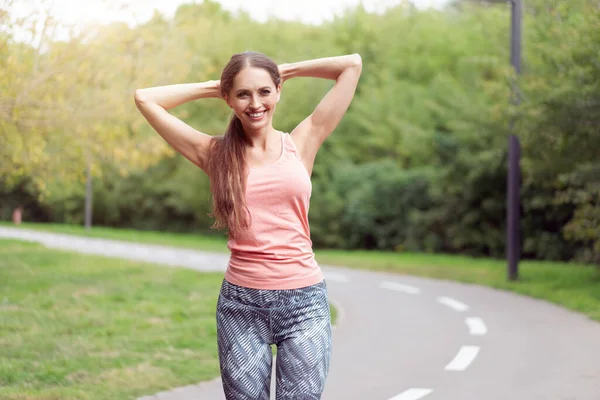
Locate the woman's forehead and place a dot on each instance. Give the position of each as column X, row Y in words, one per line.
column 252, row 78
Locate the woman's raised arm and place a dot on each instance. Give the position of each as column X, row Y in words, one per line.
column 312, row 132
column 154, row 104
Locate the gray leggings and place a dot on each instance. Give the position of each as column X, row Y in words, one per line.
column 297, row 321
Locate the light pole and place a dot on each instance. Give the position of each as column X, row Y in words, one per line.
column 514, row 152
column 514, row 155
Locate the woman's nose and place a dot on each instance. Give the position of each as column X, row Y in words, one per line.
column 255, row 103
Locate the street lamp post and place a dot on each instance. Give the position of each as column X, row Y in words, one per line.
column 514, row 155
column 514, row 151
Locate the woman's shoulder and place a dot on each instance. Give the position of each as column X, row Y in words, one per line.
column 289, row 144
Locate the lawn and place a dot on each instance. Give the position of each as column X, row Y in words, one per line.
column 87, row 327
column 573, row 286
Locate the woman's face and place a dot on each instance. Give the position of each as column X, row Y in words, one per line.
column 253, row 98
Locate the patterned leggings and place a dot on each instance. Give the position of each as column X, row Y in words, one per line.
column 297, row 321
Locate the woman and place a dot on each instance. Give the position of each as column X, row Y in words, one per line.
column 273, row 292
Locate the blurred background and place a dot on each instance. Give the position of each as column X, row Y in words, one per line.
column 419, row 162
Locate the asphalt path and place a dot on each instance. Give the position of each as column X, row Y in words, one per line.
column 405, row 338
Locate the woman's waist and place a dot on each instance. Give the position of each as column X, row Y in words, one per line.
column 271, row 245
column 268, row 298
column 271, row 255
column 271, row 272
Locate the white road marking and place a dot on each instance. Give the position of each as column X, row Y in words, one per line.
column 332, row 276
column 400, row 287
column 454, row 304
column 463, row 359
column 412, row 394
column 476, row 326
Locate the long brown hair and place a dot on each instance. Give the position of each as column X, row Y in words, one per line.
column 227, row 158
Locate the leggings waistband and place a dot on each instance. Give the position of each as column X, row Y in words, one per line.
column 264, row 298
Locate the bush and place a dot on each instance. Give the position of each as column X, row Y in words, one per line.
column 369, row 206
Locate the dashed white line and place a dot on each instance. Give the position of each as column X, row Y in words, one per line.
column 476, row 326
column 412, row 394
column 332, row 276
column 463, row 359
column 399, row 287
column 452, row 303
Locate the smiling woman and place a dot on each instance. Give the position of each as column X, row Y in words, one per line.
column 274, row 292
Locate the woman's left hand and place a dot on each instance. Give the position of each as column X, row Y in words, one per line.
column 284, row 72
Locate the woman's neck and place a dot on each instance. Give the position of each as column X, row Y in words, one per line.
column 261, row 138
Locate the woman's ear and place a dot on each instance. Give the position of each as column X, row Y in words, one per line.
column 226, row 98
column 278, row 92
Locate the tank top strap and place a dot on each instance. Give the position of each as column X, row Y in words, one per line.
column 289, row 147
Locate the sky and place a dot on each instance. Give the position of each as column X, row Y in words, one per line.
column 309, row 11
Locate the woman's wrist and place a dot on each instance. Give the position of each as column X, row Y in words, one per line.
column 285, row 71
column 210, row 89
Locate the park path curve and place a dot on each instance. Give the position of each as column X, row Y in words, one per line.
column 407, row 338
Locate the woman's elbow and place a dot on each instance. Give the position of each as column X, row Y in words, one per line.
column 356, row 61
column 138, row 96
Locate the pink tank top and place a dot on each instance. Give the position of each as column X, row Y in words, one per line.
column 276, row 251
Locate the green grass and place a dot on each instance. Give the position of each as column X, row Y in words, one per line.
column 85, row 327
column 573, row 286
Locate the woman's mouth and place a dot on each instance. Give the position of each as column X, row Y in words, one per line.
column 257, row 116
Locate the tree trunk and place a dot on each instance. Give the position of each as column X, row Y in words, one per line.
column 88, row 196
